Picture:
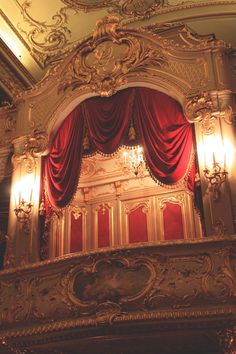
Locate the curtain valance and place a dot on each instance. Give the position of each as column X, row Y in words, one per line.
column 162, row 130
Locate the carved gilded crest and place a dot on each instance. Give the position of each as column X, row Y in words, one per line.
column 104, row 62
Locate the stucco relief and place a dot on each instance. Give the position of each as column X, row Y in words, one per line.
column 97, row 287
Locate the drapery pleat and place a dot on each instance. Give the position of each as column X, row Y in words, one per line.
column 62, row 165
column 164, row 133
column 161, row 127
column 107, row 120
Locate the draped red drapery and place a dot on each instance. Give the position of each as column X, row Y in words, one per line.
column 161, row 129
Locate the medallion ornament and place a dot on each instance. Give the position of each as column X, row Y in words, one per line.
column 104, row 63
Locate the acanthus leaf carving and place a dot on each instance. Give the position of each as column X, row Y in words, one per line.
column 105, row 61
column 36, row 143
column 205, row 109
column 199, row 107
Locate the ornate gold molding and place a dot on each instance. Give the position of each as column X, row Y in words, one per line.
column 199, row 107
column 139, row 9
column 126, row 8
column 46, row 40
column 104, row 62
column 206, row 109
column 36, row 143
column 121, row 285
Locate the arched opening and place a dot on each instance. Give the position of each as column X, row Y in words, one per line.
column 86, row 215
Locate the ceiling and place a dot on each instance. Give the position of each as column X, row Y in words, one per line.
column 34, row 33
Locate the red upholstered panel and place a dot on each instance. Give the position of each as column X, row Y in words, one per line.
column 173, row 223
column 138, row 226
column 76, row 241
column 103, row 228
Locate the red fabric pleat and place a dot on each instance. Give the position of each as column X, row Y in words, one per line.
column 165, row 135
column 107, row 120
column 62, row 165
column 162, row 129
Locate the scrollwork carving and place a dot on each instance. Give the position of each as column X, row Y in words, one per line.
column 47, row 40
column 105, row 61
column 200, row 108
column 137, row 9
column 36, row 143
column 127, row 8
column 88, row 5
column 191, row 282
column 110, row 285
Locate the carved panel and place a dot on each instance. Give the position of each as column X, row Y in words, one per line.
column 191, row 280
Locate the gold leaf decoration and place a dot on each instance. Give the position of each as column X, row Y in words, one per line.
column 104, row 62
column 46, row 40
column 127, row 8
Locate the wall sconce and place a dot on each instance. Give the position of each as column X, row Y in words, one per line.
column 216, row 156
column 23, row 211
column 134, row 160
column 23, row 195
column 216, row 176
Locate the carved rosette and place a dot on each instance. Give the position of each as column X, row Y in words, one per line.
column 104, row 63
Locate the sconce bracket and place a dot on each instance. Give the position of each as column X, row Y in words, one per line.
column 216, row 176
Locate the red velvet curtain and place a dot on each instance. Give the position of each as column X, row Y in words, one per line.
column 161, row 127
column 63, row 162
column 107, row 120
column 165, row 135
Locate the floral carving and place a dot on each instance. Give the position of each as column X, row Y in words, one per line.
column 104, row 62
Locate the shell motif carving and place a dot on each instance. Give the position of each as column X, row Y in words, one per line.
column 105, row 61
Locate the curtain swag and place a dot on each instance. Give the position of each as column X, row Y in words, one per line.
column 103, row 124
